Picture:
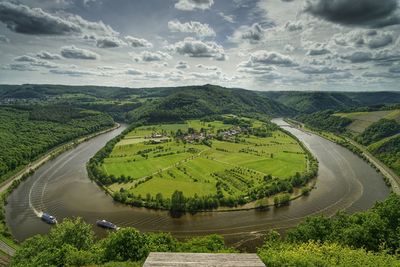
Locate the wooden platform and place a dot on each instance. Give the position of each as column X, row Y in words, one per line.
column 203, row 259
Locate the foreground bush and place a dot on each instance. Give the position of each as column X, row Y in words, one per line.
column 316, row 254
column 72, row 243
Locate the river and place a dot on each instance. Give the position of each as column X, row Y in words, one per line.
column 62, row 188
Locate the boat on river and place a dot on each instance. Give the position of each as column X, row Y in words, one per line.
column 48, row 218
column 106, row 224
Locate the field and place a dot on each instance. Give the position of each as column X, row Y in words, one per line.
column 361, row 120
column 152, row 160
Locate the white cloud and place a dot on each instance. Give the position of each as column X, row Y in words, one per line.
column 138, row 42
column 261, row 59
column 109, row 42
column 74, row 52
column 317, row 49
column 47, row 55
column 201, row 30
column 196, row 48
column 293, row 26
column 253, row 34
column 228, row 18
column 190, row 5
column 147, row 56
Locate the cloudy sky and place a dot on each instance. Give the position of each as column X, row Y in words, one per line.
column 253, row 44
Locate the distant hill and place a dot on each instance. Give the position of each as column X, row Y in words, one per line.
column 172, row 103
column 197, row 101
column 151, row 104
column 309, row 102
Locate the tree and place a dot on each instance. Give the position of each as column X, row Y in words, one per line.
column 178, row 202
column 125, row 244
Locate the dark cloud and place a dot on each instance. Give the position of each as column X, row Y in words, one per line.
column 395, row 69
column 109, row 42
column 380, row 41
column 29, row 63
column 182, row 65
column 359, row 57
column 372, row 13
column 78, row 53
column 27, row 20
column 23, row 19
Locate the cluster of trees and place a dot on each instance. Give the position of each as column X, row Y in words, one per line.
column 378, row 130
column 73, row 243
column 389, row 153
column 28, row 132
column 325, row 120
column 176, row 203
column 369, row 238
column 375, row 230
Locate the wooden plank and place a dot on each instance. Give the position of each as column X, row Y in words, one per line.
column 156, row 259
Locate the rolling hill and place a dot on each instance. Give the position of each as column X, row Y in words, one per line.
column 309, row 102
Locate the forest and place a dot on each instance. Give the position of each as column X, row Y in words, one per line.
column 27, row 132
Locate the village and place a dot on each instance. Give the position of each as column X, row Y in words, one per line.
column 196, row 137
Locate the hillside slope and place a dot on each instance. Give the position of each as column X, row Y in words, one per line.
column 197, row 101
column 309, row 102
column 361, row 120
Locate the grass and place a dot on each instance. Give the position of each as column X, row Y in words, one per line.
column 195, row 168
column 361, row 120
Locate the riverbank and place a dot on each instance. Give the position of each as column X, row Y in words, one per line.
column 7, row 244
column 271, row 189
column 365, row 154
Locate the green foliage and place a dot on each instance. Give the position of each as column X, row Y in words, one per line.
column 316, row 254
column 24, row 137
column 324, row 120
column 378, row 130
column 72, row 243
column 200, row 101
column 311, row 102
column 178, row 202
column 206, row 244
column 125, row 244
column 373, row 230
column 69, row 242
column 388, row 151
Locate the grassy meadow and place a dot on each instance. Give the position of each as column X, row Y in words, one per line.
column 165, row 164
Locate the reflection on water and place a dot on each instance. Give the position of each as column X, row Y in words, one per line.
column 61, row 187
